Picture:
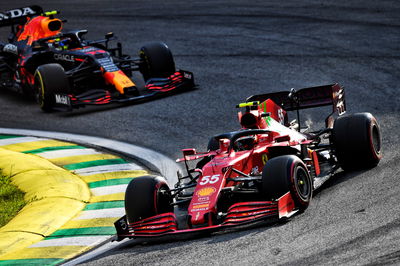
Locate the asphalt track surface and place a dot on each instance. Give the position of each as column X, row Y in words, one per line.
column 236, row 49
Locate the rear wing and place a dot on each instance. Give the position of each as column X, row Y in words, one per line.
column 293, row 100
column 19, row 15
column 332, row 94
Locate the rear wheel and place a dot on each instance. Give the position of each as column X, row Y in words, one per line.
column 157, row 61
column 357, row 141
column 50, row 79
column 147, row 196
column 284, row 174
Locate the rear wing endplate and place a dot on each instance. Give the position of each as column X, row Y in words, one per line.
column 19, row 15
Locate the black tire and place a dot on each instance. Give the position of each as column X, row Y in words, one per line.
column 284, row 174
column 147, row 196
column 357, row 141
column 158, row 61
column 49, row 79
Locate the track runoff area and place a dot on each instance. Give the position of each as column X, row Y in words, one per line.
column 75, row 192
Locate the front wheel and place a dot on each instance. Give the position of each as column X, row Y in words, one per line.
column 284, row 174
column 147, row 196
column 158, row 61
column 50, row 79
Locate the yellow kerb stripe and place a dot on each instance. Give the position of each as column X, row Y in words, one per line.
column 90, row 223
column 113, row 175
column 27, row 146
column 65, row 252
column 110, row 197
column 81, row 158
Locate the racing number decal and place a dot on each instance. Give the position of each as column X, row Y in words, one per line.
column 209, row 179
column 264, row 158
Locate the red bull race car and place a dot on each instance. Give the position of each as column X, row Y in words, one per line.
column 63, row 71
column 266, row 171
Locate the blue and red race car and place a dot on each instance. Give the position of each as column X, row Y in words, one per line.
column 65, row 71
column 266, row 170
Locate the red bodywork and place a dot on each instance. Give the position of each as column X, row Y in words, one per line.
column 217, row 174
column 240, row 157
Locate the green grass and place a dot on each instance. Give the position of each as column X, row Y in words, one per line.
column 11, row 200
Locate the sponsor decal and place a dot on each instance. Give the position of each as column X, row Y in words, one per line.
column 255, row 171
column 18, row 12
column 203, row 198
column 338, row 97
column 108, row 64
column 281, row 116
column 264, row 158
column 64, row 57
column 187, row 75
column 89, row 49
column 216, row 164
column 205, row 205
column 200, row 209
column 10, row 48
column 204, row 192
column 62, row 99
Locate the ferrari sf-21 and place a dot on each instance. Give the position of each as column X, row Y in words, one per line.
column 63, row 71
column 266, row 170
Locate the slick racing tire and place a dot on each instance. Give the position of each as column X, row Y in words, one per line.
column 287, row 173
column 157, row 61
column 147, row 196
column 357, row 141
column 49, row 79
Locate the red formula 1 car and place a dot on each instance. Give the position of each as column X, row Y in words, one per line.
column 65, row 71
column 267, row 170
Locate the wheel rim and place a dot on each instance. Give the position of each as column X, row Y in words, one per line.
column 39, row 90
column 376, row 140
column 163, row 200
column 302, row 183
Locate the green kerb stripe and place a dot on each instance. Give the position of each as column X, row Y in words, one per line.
column 31, row 262
column 110, row 182
column 75, row 166
column 56, row 148
column 105, row 205
column 9, row 136
column 106, row 230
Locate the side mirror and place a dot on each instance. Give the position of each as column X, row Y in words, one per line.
column 187, row 152
column 109, row 35
column 282, row 138
column 224, row 145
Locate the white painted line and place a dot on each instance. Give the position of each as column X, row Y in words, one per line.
column 102, row 213
column 107, row 168
column 71, row 241
column 4, row 142
column 106, row 190
column 66, row 153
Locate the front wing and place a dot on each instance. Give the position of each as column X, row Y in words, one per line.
column 178, row 81
column 238, row 214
